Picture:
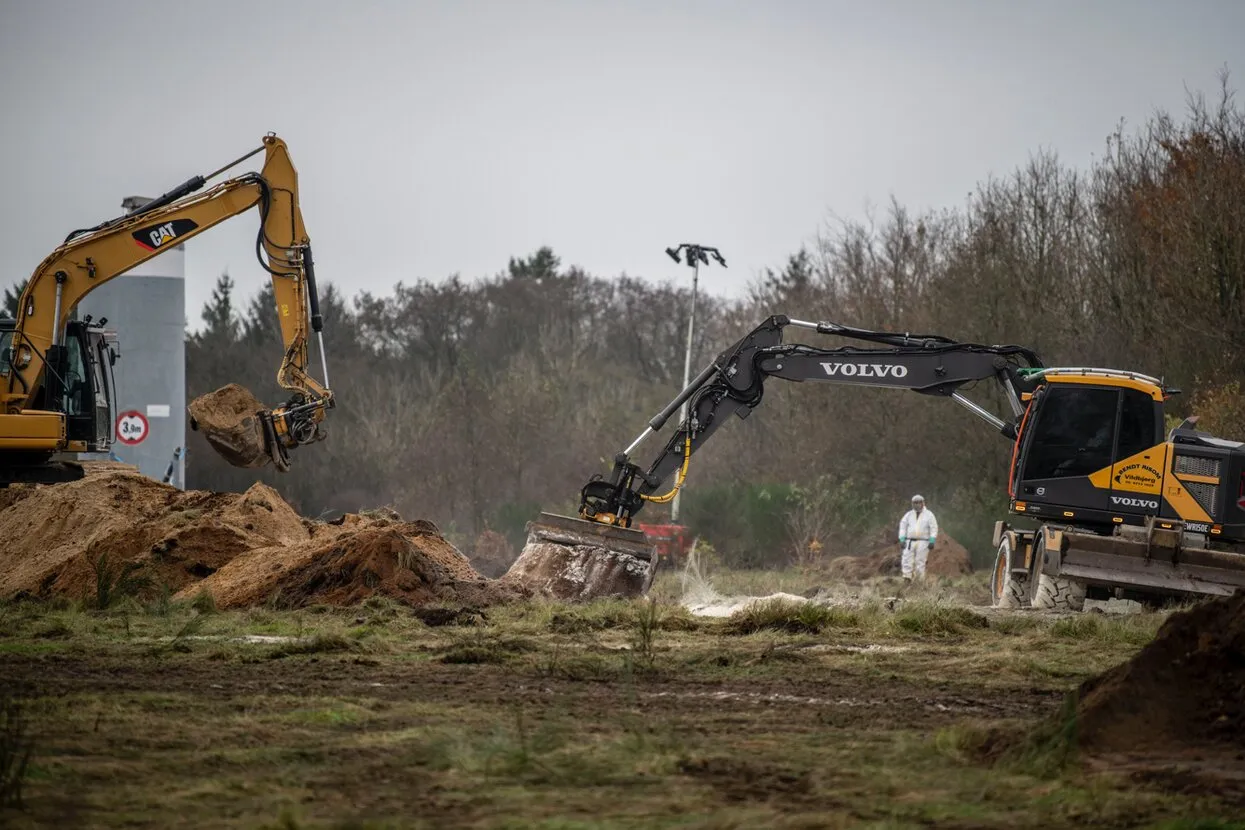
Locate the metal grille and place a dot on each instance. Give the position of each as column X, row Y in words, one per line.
column 1204, row 493
column 1195, row 466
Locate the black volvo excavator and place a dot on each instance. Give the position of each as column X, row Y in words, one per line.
column 1114, row 505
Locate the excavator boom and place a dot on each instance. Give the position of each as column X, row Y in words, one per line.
column 734, row 384
column 44, row 385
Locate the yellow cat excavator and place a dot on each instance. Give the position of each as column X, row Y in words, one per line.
column 56, row 386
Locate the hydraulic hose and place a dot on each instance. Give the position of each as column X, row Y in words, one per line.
column 678, row 480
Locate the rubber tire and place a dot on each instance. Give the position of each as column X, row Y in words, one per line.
column 1055, row 593
column 1007, row 589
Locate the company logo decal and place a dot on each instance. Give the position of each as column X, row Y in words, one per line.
column 154, row 237
column 864, row 370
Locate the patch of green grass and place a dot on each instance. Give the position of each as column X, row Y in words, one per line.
column 933, row 618
column 317, row 644
column 1043, row 750
column 486, row 648
column 592, row 616
column 115, row 582
column 1123, row 629
column 204, row 602
column 16, row 749
column 791, row 617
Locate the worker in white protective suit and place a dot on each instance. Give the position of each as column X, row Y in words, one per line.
column 918, row 530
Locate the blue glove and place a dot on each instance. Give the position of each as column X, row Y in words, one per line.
column 932, row 539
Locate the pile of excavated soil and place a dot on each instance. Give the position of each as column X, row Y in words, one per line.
column 56, row 537
column 1185, row 689
column 245, row 548
column 229, row 420
column 351, row 560
column 948, row 558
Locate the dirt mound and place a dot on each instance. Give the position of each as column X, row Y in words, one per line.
column 948, row 558
column 1186, row 688
column 56, row 537
column 245, row 548
column 356, row 559
column 229, row 420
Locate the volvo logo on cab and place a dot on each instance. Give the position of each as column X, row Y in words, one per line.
column 1125, row 501
column 864, row 370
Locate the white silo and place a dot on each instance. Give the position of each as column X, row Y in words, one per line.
column 147, row 308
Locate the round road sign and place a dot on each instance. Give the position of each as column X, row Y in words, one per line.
column 132, row 427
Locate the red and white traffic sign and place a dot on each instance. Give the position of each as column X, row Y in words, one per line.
column 132, row 427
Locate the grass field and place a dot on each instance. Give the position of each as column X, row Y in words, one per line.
column 613, row 714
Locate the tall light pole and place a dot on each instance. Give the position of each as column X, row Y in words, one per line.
column 696, row 254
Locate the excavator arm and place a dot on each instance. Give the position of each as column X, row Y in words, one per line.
column 90, row 257
column 733, row 384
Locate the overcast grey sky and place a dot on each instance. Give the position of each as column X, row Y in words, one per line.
column 434, row 138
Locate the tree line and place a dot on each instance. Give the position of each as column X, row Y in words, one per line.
column 477, row 404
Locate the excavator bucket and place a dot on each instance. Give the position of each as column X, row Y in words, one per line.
column 238, row 426
column 576, row 559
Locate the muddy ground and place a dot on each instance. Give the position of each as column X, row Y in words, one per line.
column 611, row 714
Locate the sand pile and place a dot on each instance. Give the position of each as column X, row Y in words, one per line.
column 246, row 548
column 54, row 535
column 352, row 559
column 948, row 558
column 229, row 420
column 1186, row 688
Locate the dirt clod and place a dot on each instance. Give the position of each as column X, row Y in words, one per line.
column 229, row 420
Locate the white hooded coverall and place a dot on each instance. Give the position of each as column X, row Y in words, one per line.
column 917, row 533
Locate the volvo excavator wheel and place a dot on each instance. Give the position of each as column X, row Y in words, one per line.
column 1054, row 593
column 1008, row 589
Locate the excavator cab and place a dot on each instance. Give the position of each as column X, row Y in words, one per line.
column 1120, row 506
column 78, row 385
column 1091, row 448
column 1093, row 451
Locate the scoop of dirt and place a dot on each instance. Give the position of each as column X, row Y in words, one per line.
column 407, row 561
column 229, row 420
column 948, row 558
column 1186, row 688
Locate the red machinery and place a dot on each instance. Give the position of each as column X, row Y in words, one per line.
column 672, row 541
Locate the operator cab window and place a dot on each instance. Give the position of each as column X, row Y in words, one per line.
column 1138, row 424
column 6, row 341
column 1075, row 432
column 76, row 399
